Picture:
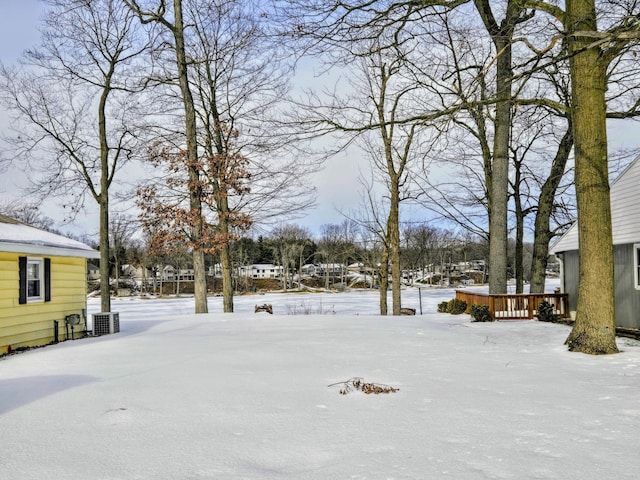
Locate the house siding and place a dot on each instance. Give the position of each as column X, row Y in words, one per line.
column 625, row 212
column 625, row 207
column 33, row 323
column 627, row 298
column 570, row 277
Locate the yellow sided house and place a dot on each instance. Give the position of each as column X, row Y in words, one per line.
column 43, row 286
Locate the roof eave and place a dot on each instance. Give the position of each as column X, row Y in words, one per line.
column 34, row 249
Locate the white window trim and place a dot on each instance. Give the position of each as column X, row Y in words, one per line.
column 636, row 264
column 40, row 262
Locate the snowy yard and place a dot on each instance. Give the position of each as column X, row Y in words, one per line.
column 246, row 396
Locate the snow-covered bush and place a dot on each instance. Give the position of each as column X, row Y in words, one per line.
column 480, row 313
column 546, row 312
column 453, row 306
column 456, row 307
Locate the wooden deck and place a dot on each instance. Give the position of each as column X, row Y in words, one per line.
column 512, row 306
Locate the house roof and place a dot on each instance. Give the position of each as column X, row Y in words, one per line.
column 625, row 212
column 19, row 237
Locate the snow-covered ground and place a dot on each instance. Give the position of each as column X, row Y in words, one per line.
column 247, row 396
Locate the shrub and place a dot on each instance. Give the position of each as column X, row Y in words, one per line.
column 480, row 313
column 443, row 307
column 453, row 306
column 456, row 307
column 546, row 312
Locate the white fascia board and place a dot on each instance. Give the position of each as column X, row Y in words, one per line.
column 33, row 249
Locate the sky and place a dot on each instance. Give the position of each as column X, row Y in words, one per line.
column 247, row 396
column 336, row 184
column 18, row 31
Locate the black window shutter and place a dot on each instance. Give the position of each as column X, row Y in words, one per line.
column 47, row 279
column 22, row 266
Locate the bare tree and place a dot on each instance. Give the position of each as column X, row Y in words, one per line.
column 376, row 112
column 27, row 212
column 339, row 24
column 371, row 218
column 398, row 144
column 236, row 81
column 72, row 102
column 240, row 79
column 289, row 241
column 592, row 51
column 121, row 230
column 461, row 188
column 173, row 23
column 501, row 33
column 594, row 329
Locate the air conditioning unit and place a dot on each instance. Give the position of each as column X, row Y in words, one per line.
column 106, row 322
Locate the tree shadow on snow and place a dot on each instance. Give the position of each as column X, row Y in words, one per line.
column 17, row 392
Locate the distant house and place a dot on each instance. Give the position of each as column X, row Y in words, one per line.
column 625, row 217
column 260, row 270
column 130, row 271
column 171, row 274
column 93, row 272
column 309, row 269
column 43, row 279
column 331, row 269
column 136, row 272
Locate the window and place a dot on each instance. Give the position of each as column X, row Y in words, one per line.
column 35, row 273
column 35, row 279
column 636, row 265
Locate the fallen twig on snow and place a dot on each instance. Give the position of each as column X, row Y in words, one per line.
column 357, row 383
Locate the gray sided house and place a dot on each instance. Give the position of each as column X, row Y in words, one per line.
column 625, row 217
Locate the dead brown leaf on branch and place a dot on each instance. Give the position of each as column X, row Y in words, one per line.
column 358, row 384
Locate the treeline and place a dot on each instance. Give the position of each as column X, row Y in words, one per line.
column 425, row 248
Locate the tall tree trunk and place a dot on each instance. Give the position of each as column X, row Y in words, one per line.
column 105, row 288
column 393, row 226
column 227, row 279
column 195, row 189
column 383, row 280
column 225, row 254
column 103, row 197
column 500, row 173
column 542, row 235
column 116, row 265
column 519, row 213
column 501, row 34
column 594, row 328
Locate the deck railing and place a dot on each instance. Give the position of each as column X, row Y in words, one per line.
column 517, row 306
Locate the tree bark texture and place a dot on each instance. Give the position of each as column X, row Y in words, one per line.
column 227, row 279
column 393, row 226
column 500, row 174
column 594, row 328
column 383, row 280
column 195, row 190
column 501, row 35
column 542, row 235
column 225, row 255
column 103, row 196
column 519, row 214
